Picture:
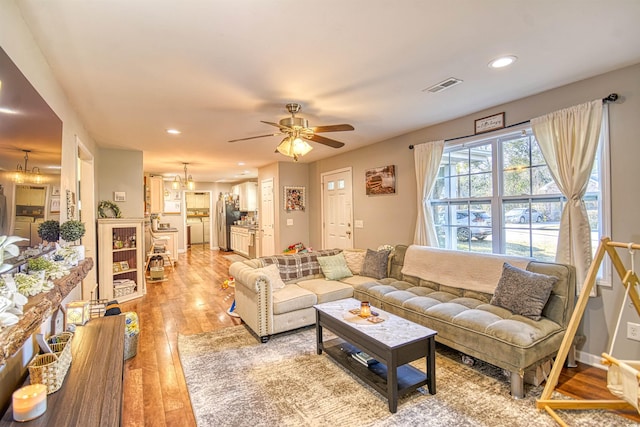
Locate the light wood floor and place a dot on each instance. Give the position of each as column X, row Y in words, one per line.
column 191, row 301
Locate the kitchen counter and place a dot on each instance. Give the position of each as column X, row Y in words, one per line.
column 166, row 230
column 247, row 227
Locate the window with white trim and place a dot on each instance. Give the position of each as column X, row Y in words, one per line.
column 496, row 195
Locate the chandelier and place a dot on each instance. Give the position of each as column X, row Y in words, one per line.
column 187, row 182
column 25, row 174
column 294, row 146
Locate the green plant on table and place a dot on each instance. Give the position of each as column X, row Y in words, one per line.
column 72, row 230
column 49, row 230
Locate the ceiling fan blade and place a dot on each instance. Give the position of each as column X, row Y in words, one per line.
column 282, row 127
column 254, row 137
column 332, row 128
column 326, row 141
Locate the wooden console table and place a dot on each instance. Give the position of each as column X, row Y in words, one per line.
column 91, row 394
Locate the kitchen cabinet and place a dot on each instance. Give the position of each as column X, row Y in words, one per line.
column 27, row 195
column 121, row 258
column 156, row 194
column 240, row 240
column 247, row 192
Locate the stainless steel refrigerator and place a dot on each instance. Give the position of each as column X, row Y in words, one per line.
column 226, row 214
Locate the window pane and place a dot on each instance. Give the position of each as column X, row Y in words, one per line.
column 515, row 154
column 481, row 185
column 481, row 159
column 459, row 187
column 440, row 189
column 542, row 181
column 460, row 162
column 536, row 155
column 517, row 182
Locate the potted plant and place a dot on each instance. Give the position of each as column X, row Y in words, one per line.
column 49, row 231
column 72, row 231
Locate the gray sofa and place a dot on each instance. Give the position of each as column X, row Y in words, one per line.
column 460, row 310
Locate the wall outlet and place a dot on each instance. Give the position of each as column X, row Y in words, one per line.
column 633, row 331
column 359, row 223
column 289, row 221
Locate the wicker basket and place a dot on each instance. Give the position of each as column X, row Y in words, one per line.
column 51, row 368
column 123, row 290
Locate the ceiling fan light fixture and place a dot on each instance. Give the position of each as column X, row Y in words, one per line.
column 294, row 147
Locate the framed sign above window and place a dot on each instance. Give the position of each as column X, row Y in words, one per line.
column 489, row 123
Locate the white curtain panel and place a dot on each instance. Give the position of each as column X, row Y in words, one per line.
column 568, row 140
column 427, row 158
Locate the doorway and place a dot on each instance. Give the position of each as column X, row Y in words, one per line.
column 267, row 218
column 337, row 209
column 198, row 219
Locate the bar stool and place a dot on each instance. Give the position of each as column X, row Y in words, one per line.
column 159, row 248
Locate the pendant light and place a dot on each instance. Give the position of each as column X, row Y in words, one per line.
column 187, row 182
column 25, row 174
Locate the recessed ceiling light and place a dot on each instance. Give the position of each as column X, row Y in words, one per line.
column 240, row 163
column 174, row 131
column 503, row 61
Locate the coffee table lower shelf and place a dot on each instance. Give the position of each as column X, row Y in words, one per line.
column 409, row 378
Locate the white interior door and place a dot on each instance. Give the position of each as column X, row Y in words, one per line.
column 87, row 214
column 267, row 219
column 337, row 209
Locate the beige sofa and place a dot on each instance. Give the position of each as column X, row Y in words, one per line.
column 267, row 311
column 459, row 309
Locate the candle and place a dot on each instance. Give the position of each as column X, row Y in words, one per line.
column 29, row 402
column 365, row 309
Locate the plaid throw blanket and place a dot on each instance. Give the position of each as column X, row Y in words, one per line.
column 297, row 266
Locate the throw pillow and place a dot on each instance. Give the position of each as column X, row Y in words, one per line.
column 334, row 267
column 375, row 264
column 273, row 274
column 355, row 259
column 523, row 292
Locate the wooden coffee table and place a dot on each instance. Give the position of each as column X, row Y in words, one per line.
column 393, row 343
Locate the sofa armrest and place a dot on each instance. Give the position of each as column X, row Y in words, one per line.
column 254, row 298
column 248, row 277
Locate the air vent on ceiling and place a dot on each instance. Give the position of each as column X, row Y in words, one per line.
column 445, row 84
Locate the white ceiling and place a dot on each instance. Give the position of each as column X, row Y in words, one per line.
column 215, row 68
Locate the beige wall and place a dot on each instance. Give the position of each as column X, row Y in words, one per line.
column 18, row 43
column 128, row 179
column 391, row 219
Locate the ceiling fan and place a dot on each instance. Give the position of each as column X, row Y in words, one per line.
column 298, row 131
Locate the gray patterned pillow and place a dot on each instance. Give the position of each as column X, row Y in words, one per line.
column 375, row 264
column 523, row 292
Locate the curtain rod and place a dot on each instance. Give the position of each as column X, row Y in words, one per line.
column 612, row 97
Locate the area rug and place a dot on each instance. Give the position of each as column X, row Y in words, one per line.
column 233, row 380
column 235, row 258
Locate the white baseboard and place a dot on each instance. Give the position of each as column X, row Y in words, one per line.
column 590, row 359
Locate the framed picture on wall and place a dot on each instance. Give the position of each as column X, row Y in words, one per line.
column 294, row 199
column 380, row 180
column 54, row 205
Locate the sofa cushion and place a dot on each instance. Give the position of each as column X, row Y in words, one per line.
column 327, row 290
column 334, row 267
column 523, row 292
column 375, row 264
column 298, row 266
column 273, row 274
column 355, row 259
column 291, row 298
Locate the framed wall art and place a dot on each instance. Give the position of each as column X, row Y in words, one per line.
column 380, row 180
column 54, row 206
column 294, row 199
column 487, row 124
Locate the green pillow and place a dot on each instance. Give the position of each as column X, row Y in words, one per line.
column 334, row 267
